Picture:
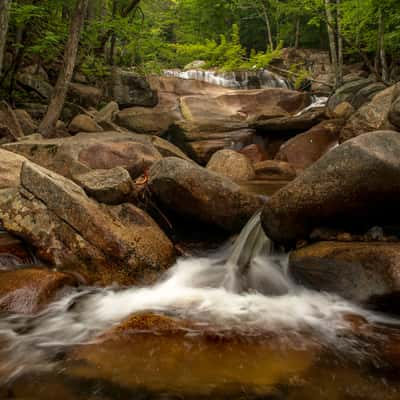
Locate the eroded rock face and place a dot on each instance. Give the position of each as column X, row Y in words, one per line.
column 356, row 271
column 231, row 164
column 371, row 116
column 194, row 192
column 355, row 184
column 306, row 148
column 27, row 291
column 69, row 230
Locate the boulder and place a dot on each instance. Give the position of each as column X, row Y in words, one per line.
column 289, row 124
column 26, row 122
column 245, row 105
column 84, row 123
column 28, row 291
column 84, row 95
column 100, row 150
column 343, row 110
column 354, row 185
column 109, row 186
column 104, row 244
column 9, row 123
column 394, row 113
column 306, row 148
column 195, row 192
column 107, row 113
column 254, row 152
column 10, row 169
column 154, row 121
column 370, row 117
column 231, row 164
column 356, row 271
column 133, row 157
column 129, row 89
column 35, row 82
column 356, row 91
column 274, row 170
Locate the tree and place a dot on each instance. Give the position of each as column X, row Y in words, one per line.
column 48, row 124
column 4, row 18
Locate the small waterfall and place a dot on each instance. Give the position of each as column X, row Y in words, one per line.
column 234, row 80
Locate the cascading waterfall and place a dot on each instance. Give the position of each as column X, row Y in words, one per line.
column 234, row 80
column 243, row 287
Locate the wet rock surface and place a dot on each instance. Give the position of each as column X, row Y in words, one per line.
column 195, row 192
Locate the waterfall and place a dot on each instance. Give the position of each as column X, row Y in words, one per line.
column 243, row 287
column 234, row 80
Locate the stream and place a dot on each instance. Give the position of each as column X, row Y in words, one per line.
column 228, row 325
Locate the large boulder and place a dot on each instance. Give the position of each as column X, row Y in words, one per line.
column 194, row 192
column 129, row 89
column 306, row 148
column 371, row 116
column 357, row 271
column 394, row 113
column 109, row 186
column 103, row 244
column 36, row 82
column 100, row 150
column 84, row 95
column 290, row 124
column 155, row 120
column 84, row 123
column 356, row 184
column 245, row 105
column 28, row 291
column 231, row 164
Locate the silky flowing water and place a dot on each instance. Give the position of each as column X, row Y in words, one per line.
column 229, row 325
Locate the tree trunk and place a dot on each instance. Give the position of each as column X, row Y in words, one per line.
column 4, row 18
column 381, row 53
column 267, row 25
column 297, row 35
column 332, row 41
column 48, row 124
column 340, row 44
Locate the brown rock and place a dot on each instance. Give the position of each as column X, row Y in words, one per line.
column 306, row 148
column 107, row 113
column 254, row 152
column 370, row 117
column 84, row 123
column 194, row 192
column 343, row 110
column 356, row 271
column 134, row 157
column 84, row 95
column 9, row 120
column 274, row 170
column 103, row 244
column 355, row 185
column 231, row 164
column 26, row 122
column 109, row 186
column 10, row 169
column 27, row 291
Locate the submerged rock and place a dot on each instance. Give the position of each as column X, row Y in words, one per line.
column 69, row 230
column 356, row 271
column 231, row 164
column 27, row 291
column 194, row 192
column 356, row 184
